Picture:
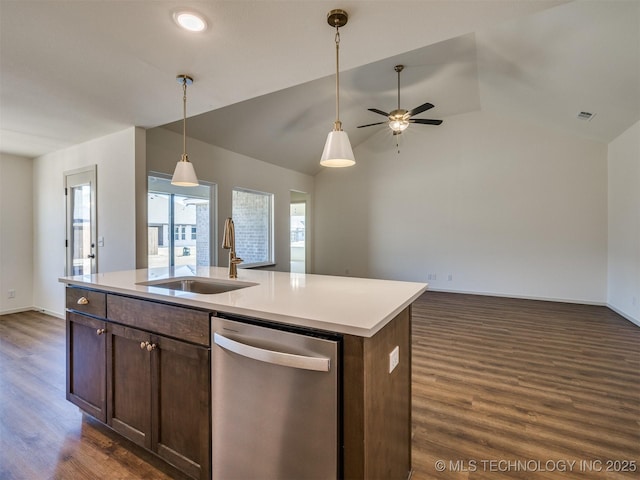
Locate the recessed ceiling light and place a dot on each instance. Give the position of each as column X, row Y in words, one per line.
column 191, row 21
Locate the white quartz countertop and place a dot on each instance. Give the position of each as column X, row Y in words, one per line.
column 354, row 306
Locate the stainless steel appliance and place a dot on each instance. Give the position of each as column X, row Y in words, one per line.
column 275, row 401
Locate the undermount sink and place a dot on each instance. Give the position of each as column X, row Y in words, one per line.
column 197, row 285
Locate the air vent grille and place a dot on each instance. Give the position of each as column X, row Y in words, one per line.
column 586, row 116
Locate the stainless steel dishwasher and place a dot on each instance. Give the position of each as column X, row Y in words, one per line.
column 275, row 401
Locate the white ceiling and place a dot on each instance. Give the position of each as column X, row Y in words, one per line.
column 73, row 71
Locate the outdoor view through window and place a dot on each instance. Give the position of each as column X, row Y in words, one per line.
column 178, row 221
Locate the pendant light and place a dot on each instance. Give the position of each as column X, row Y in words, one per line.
column 337, row 150
column 184, row 174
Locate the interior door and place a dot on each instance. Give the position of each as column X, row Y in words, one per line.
column 80, row 192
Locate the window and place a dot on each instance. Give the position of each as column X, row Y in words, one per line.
column 253, row 220
column 179, row 220
column 181, row 233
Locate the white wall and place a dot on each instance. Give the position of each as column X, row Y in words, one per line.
column 115, row 157
column 624, row 224
column 228, row 170
column 141, row 197
column 504, row 207
column 16, row 233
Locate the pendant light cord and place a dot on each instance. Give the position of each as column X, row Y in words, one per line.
column 338, row 124
column 184, row 119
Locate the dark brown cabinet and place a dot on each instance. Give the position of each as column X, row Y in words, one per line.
column 152, row 389
column 158, row 396
column 181, row 386
column 86, row 364
column 129, row 384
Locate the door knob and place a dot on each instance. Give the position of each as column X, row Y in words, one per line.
column 151, row 346
column 143, row 345
column 100, row 331
column 91, row 255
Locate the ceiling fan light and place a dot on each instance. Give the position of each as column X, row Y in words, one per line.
column 398, row 125
column 184, row 175
column 337, row 151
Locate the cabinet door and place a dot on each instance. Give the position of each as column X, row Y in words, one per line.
column 181, row 423
column 86, row 360
column 129, row 384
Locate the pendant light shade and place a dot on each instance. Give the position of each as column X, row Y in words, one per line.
column 337, row 149
column 184, row 175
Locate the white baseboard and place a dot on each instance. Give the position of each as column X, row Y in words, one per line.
column 544, row 299
column 16, row 310
column 635, row 321
column 34, row 309
column 49, row 312
column 522, row 297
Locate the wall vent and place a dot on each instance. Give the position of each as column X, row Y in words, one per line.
column 586, row 116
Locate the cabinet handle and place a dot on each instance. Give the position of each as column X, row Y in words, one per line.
column 148, row 346
column 83, row 301
column 100, row 331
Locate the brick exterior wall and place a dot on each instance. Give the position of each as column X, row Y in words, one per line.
column 252, row 221
column 202, row 235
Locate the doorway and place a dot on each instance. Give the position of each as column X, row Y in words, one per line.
column 80, row 192
column 298, row 232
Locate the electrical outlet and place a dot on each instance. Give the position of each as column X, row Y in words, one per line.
column 11, row 293
column 431, row 276
column 394, row 358
column 634, row 300
column 450, row 277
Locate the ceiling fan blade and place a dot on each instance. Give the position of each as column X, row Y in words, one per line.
column 425, row 121
column 375, row 110
column 371, row 124
column 422, row 108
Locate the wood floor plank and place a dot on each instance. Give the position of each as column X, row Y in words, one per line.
column 42, row 436
column 494, row 379
column 510, row 379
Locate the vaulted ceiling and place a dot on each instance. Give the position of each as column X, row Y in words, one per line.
column 264, row 84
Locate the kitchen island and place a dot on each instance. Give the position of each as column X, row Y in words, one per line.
column 139, row 357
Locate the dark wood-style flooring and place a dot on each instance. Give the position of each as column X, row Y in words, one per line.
column 495, row 381
column 499, row 380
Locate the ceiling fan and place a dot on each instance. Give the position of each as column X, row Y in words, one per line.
column 400, row 119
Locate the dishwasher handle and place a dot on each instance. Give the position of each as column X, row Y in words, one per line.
column 318, row 364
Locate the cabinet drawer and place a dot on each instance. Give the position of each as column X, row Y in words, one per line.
column 177, row 322
column 86, row 301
